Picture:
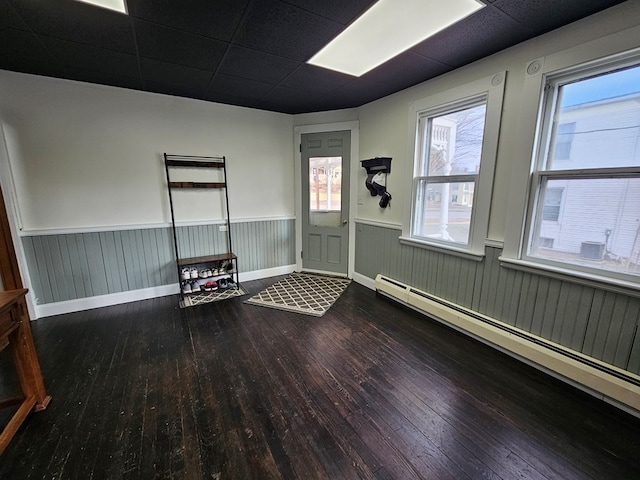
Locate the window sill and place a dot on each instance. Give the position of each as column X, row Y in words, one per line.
column 623, row 287
column 449, row 250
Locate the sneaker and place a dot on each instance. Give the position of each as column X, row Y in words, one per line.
column 209, row 273
column 185, row 274
column 194, row 272
column 210, row 286
column 203, row 274
column 186, row 288
column 195, row 287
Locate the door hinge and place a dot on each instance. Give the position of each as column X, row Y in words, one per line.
column 300, row 148
column 301, row 252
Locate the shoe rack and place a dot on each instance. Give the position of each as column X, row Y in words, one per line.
column 209, row 277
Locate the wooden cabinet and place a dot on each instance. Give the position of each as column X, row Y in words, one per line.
column 216, row 272
column 15, row 335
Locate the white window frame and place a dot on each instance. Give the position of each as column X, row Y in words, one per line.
column 616, row 47
column 541, row 174
column 490, row 88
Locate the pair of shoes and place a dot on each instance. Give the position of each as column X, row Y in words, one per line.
column 226, row 283
column 190, row 287
column 205, row 273
column 210, row 286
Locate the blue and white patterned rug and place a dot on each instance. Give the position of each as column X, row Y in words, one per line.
column 306, row 293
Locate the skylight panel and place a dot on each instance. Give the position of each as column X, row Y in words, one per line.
column 117, row 5
column 387, row 29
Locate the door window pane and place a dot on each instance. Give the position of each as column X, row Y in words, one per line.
column 325, row 191
column 325, row 184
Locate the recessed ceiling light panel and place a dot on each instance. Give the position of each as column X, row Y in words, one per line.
column 387, row 29
column 117, row 5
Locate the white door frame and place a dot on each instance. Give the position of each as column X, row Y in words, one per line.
column 13, row 214
column 354, row 128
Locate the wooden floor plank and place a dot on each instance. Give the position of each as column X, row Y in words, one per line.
column 371, row 390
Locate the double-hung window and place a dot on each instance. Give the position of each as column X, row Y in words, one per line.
column 454, row 154
column 584, row 208
column 448, row 165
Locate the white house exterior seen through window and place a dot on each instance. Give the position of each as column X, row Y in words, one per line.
column 585, row 201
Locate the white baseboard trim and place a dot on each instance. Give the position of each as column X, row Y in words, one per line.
column 370, row 283
column 77, row 305
column 80, row 304
column 266, row 273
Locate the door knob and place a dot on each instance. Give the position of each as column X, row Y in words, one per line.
column 344, row 222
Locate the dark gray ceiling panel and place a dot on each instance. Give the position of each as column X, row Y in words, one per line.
column 78, row 22
column 86, row 57
column 485, row 32
column 414, row 67
column 211, row 18
column 316, row 79
column 174, row 46
column 541, row 16
column 9, row 17
column 256, row 65
column 340, row 11
column 250, row 52
column 177, row 76
column 281, row 29
column 239, row 87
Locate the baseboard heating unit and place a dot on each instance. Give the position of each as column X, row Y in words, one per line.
column 611, row 384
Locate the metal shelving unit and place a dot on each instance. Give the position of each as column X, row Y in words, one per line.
column 226, row 259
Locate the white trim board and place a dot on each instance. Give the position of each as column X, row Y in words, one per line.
column 88, row 303
column 144, row 226
column 370, row 283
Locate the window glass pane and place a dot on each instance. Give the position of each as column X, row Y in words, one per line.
column 456, row 142
column 597, row 122
column 445, row 212
column 325, row 183
column 552, row 201
column 592, row 222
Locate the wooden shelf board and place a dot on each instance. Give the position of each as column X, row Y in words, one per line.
column 197, row 184
column 206, row 259
column 195, row 163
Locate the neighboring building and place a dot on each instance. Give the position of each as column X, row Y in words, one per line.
column 595, row 219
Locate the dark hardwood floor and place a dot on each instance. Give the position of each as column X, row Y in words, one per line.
column 233, row 391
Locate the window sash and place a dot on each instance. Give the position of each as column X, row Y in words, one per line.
column 422, row 167
column 535, row 217
column 454, row 230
